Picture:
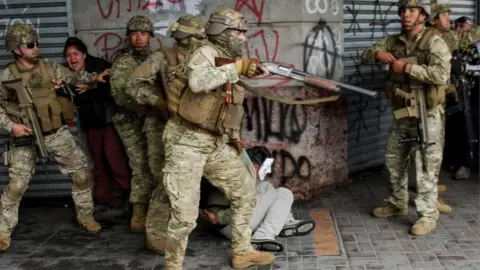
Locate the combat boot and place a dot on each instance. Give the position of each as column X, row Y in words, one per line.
column 4, row 243
column 139, row 216
column 252, row 258
column 388, row 211
column 156, row 245
column 423, row 227
column 442, row 207
column 442, row 188
column 90, row 225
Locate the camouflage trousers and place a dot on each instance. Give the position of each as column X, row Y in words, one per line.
column 191, row 152
column 158, row 209
column 72, row 162
column 130, row 129
column 398, row 156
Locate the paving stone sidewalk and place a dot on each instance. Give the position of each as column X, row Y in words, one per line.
column 47, row 238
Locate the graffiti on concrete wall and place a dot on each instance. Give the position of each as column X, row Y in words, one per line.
column 294, row 133
column 278, row 126
column 322, row 51
column 108, row 42
column 322, row 6
column 111, row 9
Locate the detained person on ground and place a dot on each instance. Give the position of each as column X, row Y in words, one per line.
column 272, row 215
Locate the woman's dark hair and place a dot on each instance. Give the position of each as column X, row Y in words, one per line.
column 463, row 19
column 77, row 43
column 258, row 154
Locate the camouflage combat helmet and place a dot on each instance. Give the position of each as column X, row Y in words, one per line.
column 140, row 23
column 187, row 26
column 223, row 19
column 20, row 34
column 439, row 6
column 424, row 5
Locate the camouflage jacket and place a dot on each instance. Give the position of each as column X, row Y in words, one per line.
column 468, row 37
column 141, row 85
column 122, row 68
column 203, row 75
column 437, row 69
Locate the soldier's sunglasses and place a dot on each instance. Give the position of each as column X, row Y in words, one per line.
column 31, row 45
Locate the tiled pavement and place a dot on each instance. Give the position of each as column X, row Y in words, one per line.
column 47, row 239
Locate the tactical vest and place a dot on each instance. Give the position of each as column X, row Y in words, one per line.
column 175, row 82
column 130, row 104
column 50, row 108
column 209, row 110
column 417, row 55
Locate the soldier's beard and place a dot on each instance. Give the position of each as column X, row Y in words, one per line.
column 33, row 59
column 228, row 43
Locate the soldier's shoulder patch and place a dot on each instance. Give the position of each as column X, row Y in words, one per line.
column 204, row 55
column 5, row 74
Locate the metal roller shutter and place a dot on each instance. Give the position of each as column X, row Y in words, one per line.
column 53, row 20
column 369, row 120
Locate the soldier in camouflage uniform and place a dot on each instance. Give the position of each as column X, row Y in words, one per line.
column 202, row 138
column 41, row 76
column 439, row 21
column 146, row 87
column 428, row 67
column 466, row 39
column 130, row 117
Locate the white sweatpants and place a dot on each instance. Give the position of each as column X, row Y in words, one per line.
column 272, row 211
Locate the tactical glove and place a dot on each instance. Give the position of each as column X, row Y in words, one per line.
column 248, row 67
column 245, row 67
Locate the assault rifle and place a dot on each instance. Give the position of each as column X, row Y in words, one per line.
column 28, row 117
column 464, row 106
column 416, row 106
column 313, row 80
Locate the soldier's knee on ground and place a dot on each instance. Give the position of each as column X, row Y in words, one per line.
column 81, row 179
column 16, row 188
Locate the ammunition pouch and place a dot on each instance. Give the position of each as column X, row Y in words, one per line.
column 49, row 107
column 210, row 111
column 49, row 111
column 67, row 107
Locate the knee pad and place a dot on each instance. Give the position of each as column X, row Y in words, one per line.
column 16, row 188
column 81, row 179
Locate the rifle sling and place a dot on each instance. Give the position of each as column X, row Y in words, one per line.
column 284, row 99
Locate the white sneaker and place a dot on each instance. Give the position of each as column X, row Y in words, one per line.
column 297, row 228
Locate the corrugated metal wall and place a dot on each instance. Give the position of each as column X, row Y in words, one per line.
column 369, row 120
column 52, row 19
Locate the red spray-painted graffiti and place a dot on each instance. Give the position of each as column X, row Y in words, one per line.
column 258, row 45
column 110, row 42
column 115, row 6
column 255, row 8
